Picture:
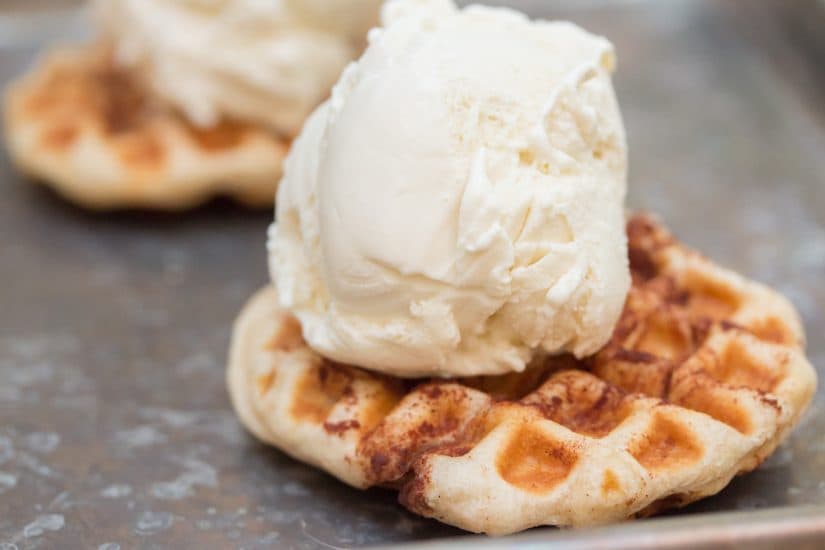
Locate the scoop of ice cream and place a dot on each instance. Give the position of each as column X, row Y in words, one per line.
column 269, row 62
column 456, row 208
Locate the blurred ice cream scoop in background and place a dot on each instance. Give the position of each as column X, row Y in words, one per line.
column 262, row 61
column 456, row 208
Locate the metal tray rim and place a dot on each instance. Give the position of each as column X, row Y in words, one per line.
column 800, row 525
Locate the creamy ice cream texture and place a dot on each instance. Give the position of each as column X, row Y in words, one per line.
column 456, row 207
column 265, row 61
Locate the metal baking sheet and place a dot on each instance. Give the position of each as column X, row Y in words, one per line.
column 115, row 428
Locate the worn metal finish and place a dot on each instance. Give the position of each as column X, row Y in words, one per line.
column 115, row 428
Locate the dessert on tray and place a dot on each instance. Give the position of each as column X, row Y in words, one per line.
column 703, row 377
column 460, row 309
column 181, row 100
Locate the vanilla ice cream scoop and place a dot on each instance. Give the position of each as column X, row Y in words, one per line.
column 268, row 62
column 456, row 207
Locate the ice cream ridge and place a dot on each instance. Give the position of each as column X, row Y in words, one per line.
column 456, row 207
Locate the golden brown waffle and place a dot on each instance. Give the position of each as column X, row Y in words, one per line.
column 86, row 128
column 704, row 376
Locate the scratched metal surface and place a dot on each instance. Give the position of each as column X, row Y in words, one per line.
column 115, row 429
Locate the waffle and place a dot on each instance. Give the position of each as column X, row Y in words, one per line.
column 86, row 128
column 704, row 376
